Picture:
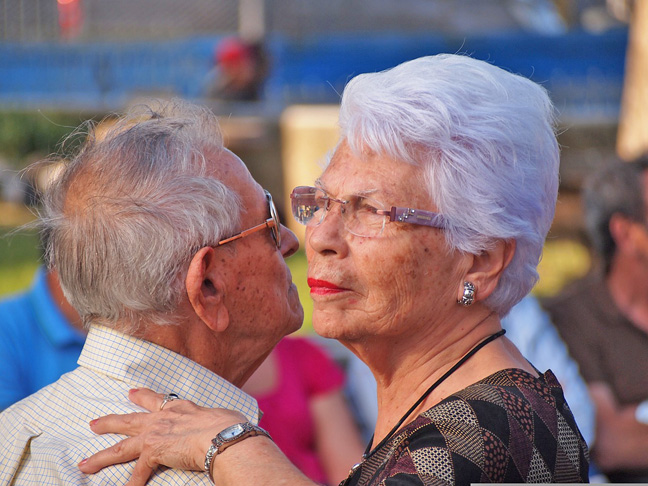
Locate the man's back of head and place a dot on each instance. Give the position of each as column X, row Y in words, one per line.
column 134, row 203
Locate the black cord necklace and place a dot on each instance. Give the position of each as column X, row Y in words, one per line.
column 369, row 452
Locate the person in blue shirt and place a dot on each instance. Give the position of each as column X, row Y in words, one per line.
column 41, row 336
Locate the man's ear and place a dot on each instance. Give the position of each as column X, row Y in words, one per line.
column 206, row 290
column 621, row 229
column 487, row 268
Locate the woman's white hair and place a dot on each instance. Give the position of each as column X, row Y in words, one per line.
column 127, row 214
column 486, row 140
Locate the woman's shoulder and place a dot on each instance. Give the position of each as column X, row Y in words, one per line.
column 501, row 387
column 510, row 426
column 505, row 395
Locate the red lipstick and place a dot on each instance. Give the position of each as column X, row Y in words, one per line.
column 322, row 287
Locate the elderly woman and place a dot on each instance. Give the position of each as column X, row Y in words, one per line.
column 424, row 229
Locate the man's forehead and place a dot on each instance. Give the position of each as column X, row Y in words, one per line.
column 232, row 171
column 225, row 163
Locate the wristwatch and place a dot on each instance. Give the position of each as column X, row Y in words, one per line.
column 230, row 436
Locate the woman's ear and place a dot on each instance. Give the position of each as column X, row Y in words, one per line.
column 487, row 268
column 206, row 290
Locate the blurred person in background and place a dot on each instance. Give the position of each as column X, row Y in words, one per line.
column 299, row 388
column 174, row 258
column 240, row 70
column 41, row 337
column 424, row 229
column 603, row 317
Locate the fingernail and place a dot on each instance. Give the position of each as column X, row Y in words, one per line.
column 92, row 422
column 133, row 390
column 83, row 462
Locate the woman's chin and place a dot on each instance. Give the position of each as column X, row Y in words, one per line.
column 335, row 329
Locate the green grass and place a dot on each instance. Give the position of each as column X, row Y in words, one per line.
column 19, row 259
column 297, row 264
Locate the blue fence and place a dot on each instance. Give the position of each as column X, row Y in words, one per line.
column 581, row 70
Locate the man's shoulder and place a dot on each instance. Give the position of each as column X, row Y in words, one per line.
column 587, row 292
column 15, row 310
column 50, row 435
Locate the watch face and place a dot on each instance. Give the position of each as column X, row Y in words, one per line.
column 231, row 432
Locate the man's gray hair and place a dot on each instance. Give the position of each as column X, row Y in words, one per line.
column 616, row 188
column 130, row 210
column 486, row 140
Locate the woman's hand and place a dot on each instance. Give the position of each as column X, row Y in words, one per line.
column 177, row 436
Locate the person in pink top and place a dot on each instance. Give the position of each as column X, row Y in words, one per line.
column 299, row 389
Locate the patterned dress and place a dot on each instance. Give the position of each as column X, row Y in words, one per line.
column 510, row 427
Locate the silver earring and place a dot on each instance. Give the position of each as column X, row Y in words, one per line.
column 468, row 296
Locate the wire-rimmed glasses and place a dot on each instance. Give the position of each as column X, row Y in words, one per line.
column 272, row 222
column 362, row 215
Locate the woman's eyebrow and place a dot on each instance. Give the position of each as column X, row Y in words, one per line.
column 363, row 192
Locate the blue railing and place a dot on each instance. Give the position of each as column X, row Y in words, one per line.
column 581, row 70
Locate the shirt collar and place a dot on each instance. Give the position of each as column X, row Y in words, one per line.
column 140, row 363
column 49, row 316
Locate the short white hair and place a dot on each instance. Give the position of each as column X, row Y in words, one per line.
column 128, row 213
column 486, row 139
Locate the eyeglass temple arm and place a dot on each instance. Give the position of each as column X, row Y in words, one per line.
column 415, row 216
column 268, row 223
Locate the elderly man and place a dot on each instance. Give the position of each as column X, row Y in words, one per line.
column 174, row 257
column 603, row 318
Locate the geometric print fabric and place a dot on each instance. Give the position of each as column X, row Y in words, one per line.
column 508, row 427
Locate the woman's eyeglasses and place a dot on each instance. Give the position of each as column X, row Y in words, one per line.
column 362, row 215
column 272, row 222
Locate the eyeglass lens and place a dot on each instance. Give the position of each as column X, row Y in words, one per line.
column 362, row 215
column 276, row 229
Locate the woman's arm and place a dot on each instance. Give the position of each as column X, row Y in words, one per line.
column 621, row 441
column 179, row 437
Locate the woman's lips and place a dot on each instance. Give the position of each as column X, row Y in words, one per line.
column 322, row 287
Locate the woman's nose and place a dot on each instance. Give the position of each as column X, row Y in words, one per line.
column 327, row 236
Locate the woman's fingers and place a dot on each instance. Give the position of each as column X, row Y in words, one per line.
column 128, row 424
column 141, row 474
column 124, row 451
column 146, row 398
column 177, row 437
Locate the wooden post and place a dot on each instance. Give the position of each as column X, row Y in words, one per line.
column 252, row 20
column 632, row 139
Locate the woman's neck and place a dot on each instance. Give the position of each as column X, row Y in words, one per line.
column 404, row 370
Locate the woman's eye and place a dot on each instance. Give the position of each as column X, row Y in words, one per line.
column 365, row 205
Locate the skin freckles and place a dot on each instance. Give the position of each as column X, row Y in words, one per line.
column 257, row 270
column 391, row 278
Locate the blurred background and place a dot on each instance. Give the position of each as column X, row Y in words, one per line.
column 273, row 71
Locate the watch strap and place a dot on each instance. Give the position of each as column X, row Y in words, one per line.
column 218, row 445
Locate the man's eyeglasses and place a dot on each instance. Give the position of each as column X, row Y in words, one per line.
column 272, row 222
column 362, row 215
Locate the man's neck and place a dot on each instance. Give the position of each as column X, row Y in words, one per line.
column 69, row 312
